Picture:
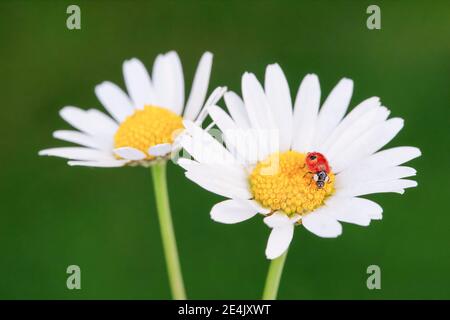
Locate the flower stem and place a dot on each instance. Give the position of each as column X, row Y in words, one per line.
column 274, row 277
column 167, row 232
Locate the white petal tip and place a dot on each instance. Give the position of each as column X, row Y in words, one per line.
column 331, row 236
column 247, row 76
column 100, row 85
column 273, row 66
column 224, row 217
column 279, row 241
column 378, row 216
column 219, row 218
column 232, row 211
column 207, row 55
column 130, row 62
column 272, row 256
column 63, row 110
column 411, row 184
column 419, row 152
column 322, row 225
column 347, row 81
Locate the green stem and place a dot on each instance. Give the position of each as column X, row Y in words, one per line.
column 167, row 232
column 274, row 277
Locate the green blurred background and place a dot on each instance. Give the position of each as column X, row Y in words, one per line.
column 104, row 220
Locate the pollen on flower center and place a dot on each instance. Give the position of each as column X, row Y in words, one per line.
column 148, row 127
column 283, row 182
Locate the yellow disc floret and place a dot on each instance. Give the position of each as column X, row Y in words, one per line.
column 148, row 127
column 283, row 182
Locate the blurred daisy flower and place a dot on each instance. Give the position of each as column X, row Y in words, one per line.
column 294, row 163
column 142, row 126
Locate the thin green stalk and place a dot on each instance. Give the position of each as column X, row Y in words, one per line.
column 167, row 232
column 274, row 277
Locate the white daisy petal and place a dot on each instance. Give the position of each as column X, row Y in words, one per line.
column 203, row 147
column 76, row 153
column 228, row 180
column 114, row 100
column 353, row 210
column 162, row 82
column 99, row 164
column 167, row 81
column 256, row 103
column 178, row 81
column 279, row 240
column 160, row 150
column 368, row 143
column 236, row 140
column 101, row 124
column 279, row 97
column 244, row 144
column 217, row 186
column 233, row 211
column 306, row 109
column 199, row 87
column 79, row 138
column 138, row 83
column 258, row 207
column 91, row 122
column 395, row 186
column 260, row 115
column 321, row 224
column 213, row 98
column 349, row 121
column 333, row 110
column 363, row 124
column 221, row 118
column 130, row 153
column 384, row 159
column 363, row 175
column 236, row 107
column 225, row 124
column 277, row 220
column 76, row 117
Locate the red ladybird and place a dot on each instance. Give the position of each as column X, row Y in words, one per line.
column 318, row 165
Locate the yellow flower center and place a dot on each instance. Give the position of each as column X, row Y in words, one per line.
column 283, row 182
column 148, row 127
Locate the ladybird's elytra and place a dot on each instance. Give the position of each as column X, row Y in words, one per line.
column 318, row 164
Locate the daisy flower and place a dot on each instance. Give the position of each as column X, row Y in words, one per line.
column 313, row 167
column 142, row 126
